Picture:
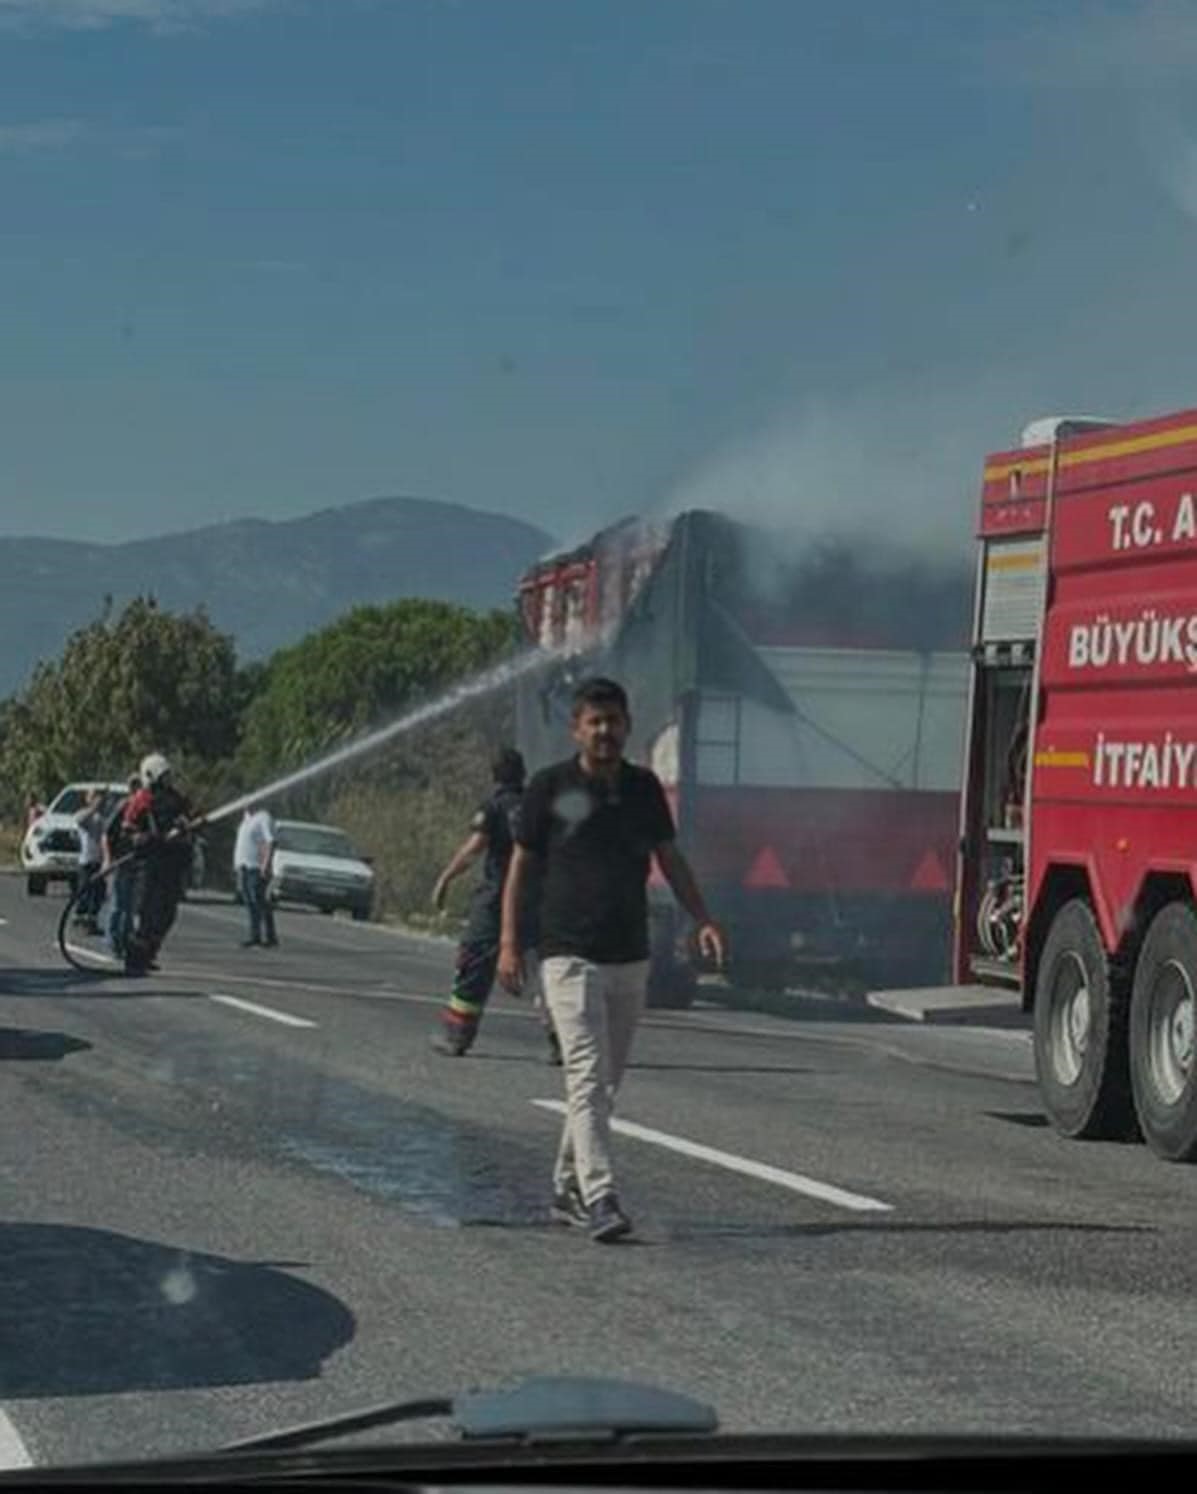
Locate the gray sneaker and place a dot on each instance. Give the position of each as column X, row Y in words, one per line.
column 567, row 1206
column 608, row 1222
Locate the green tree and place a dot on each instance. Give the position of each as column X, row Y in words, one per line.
column 362, row 669
column 148, row 680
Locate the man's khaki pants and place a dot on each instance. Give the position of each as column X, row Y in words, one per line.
column 595, row 1009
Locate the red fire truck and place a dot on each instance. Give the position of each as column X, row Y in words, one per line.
column 1078, row 845
column 806, row 716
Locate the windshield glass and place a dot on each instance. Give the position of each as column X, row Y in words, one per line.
column 681, row 517
column 70, row 801
column 314, row 840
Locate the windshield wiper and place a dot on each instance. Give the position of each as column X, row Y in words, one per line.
column 543, row 1409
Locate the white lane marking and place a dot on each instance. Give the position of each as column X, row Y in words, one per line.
column 13, row 1452
column 260, row 1011
column 796, row 1182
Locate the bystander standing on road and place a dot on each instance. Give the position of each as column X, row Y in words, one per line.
column 251, row 867
column 594, row 823
column 121, row 873
column 90, row 901
column 34, row 809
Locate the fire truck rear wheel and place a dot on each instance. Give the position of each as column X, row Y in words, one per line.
column 1163, row 1013
column 1081, row 1004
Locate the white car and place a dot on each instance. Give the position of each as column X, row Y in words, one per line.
column 50, row 850
column 317, row 865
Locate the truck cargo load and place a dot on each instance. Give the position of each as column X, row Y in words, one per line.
column 805, row 713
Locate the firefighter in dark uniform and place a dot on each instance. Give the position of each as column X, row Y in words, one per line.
column 491, row 837
column 157, row 825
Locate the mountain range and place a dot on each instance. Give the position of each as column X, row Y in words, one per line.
column 265, row 582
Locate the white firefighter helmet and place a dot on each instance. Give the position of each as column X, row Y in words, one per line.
column 154, row 768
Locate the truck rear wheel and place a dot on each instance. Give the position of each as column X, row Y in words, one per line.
column 36, row 886
column 1081, row 1058
column 1162, row 1021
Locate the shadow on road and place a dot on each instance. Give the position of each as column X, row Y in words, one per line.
column 24, row 1044
column 111, row 983
column 90, row 1312
column 1034, row 1118
column 30, row 980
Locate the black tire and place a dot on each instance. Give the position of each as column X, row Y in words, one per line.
column 328, row 911
column 1163, row 1013
column 1081, row 1020
column 35, row 886
column 361, row 915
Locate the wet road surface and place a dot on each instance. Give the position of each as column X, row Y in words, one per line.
column 245, row 1192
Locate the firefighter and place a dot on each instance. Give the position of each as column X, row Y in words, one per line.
column 492, row 837
column 157, row 823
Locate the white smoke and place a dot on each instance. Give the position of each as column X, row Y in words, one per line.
column 897, row 470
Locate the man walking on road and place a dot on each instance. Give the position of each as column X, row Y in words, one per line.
column 594, row 822
column 251, row 867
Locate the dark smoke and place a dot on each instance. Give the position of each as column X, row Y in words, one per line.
column 840, row 592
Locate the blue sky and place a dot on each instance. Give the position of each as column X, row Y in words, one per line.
column 568, row 259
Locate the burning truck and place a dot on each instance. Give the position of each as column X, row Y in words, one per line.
column 806, row 716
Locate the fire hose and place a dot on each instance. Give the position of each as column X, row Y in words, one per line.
column 102, row 875
column 500, row 676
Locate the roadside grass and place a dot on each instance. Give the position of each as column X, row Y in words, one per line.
column 10, row 845
column 411, row 810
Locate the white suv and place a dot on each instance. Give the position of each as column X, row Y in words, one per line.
column 50, row 850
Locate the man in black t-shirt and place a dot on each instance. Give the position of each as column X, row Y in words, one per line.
column 592, row 825
column 491, row 837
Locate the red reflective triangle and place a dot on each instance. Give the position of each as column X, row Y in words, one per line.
column 766, row 870
column 929, row 875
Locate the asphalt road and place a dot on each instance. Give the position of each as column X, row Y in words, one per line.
column 245, row 1192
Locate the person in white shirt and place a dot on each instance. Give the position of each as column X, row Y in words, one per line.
column 251, row 867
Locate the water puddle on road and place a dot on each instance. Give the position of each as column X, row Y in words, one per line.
column 444, row 1171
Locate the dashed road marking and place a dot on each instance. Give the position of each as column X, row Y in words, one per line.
column 269, row 1012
